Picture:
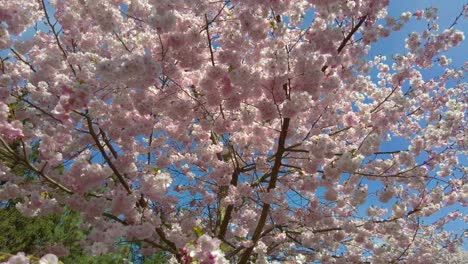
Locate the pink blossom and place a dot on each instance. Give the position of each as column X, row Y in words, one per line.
column 418, row 14
column 206, row 250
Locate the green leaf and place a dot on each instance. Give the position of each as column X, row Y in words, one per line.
column 60, row 168
column 224, row 247
column 198, row 231
column 272, row 24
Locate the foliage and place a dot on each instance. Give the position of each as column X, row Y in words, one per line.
column 34, row 235
column 23, row 234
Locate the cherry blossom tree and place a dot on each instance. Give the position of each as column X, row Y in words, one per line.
column 229, row 131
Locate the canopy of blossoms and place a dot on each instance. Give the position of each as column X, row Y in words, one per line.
column 229, row 131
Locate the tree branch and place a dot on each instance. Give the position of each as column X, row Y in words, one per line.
column 458, row 17
column 122, row 42
column 26, row 162
column 108, row 144
column 22, row 59
column 209, row 41
column 271, row 185
column 105, row 156
column 56, row 35
column 38, row 108
column 348, row 38
column 229, row 209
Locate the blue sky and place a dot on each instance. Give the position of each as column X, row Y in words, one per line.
column 448, row 11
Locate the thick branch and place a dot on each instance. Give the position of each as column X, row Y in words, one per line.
column 271, row 185
column 123, row 222
column 347, row 38
column 32, row 167
column 229, row 209
column 149, row 147
column 351, row 33
column 108, row 144
column 105, row 156
column 171, row 244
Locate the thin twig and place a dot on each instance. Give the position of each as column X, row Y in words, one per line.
column 384, row 100
column 122, row 42
column 56, row 35
column 38, row 108
column 209, row 41
column 409, row 245
column 214, row 18
column 123, row 222
column 22, row 59
column 458, row 17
